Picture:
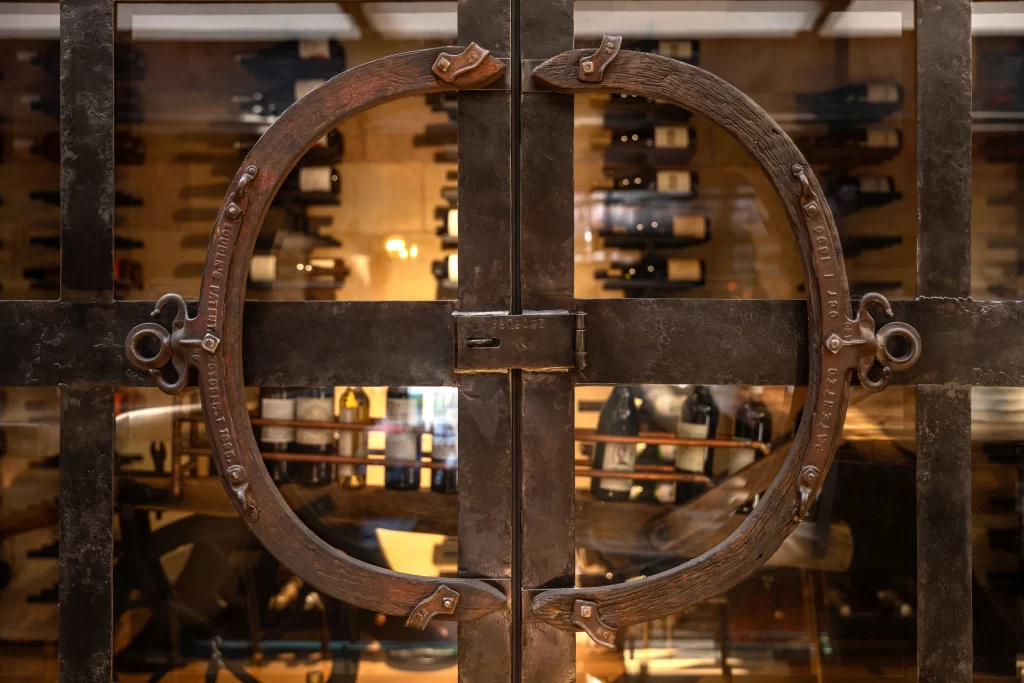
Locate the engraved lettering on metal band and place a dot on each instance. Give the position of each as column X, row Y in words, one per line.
column 188, row 335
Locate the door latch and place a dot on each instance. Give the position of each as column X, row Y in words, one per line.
column 536, row 341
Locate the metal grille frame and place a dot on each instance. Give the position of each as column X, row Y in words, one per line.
column 506, row 142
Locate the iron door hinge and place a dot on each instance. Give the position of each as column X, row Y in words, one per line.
column 536, row 341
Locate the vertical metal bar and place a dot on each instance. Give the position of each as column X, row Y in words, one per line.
column 944, row 628
column 87, row 150
column 485, row 403
column 86, row 535
column 547, row 496
column 86, row 276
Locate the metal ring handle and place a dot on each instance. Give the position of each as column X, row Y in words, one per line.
column 212, row 342
column 838, row 346
column 902, row 331
column 136, row 337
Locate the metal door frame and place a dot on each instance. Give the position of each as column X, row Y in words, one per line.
column 524, row 262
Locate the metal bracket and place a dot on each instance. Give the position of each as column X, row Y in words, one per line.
column 585, row 616
column 592, row 67
column 469, row 68
column 443, row 601
column 537, row 341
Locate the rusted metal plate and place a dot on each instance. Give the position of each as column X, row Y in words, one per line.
column 496, row 342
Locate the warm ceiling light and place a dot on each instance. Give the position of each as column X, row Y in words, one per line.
column 394, row 245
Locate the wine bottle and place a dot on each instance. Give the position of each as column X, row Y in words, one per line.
column 315, row 404
column 404, row 410
column 443, row 101
column 652, row 491
column 305, row 186
column 687, row 51
column 295, row 60
column 354, row 408
column 754, row 422
column 445, row 443
column 662, row 147
column 631, row 184
column 274, row 100
column 855, row 102
column 848, row 147
column 327, row 151
column 654, row 273
column 651, row 225
column 618, row 417
column 277, row 404
column 448, row 231
column 853, row 193
column 449, row 154
column 446, row 269
column 698, row 419
column 629, row 113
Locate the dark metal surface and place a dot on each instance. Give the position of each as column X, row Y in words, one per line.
column 546, row 415
column 293, row 343
column 86, row 534
column 944, row 613
column 85, row 650
column 539, row 341
column 87, row 150
column 485, row 284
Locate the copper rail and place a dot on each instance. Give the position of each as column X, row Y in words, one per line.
column 642, row 472
column 669, row 439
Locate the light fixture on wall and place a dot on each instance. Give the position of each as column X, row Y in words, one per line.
column 397, row 248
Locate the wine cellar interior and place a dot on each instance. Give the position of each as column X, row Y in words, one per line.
column 666, row 205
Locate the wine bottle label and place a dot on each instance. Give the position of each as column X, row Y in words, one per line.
column 618, row 457
column 277, row 409
column 263, row 268
column 401, row 445
column 883, row 93
column 453, row 222
column 690, row 226
column 314, row 410
column 684, row 270
column 316, row 179
column 883, row 138
column 691, row 458
column 323, row 142
column 453, row 267
column 740, row 458
column 304, row 85
column 314, row 49
column 674, row 181
column 671, row 136
column 677, row 49
column 347, row 441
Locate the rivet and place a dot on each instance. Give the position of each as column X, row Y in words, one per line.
column 585, row 611
column 448, row 603
column 210, row 343
column 588, row 67
column 234, row 210
column 812, row 209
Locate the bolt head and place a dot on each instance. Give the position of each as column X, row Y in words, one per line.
column 210, row 343
column 448, row 603
column 834, row 343
column 588, row 67
column 234, row 210
column 443, row 64
column 586, row 611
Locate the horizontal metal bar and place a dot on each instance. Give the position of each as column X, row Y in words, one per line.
column 43, row 343
column 496, row 342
